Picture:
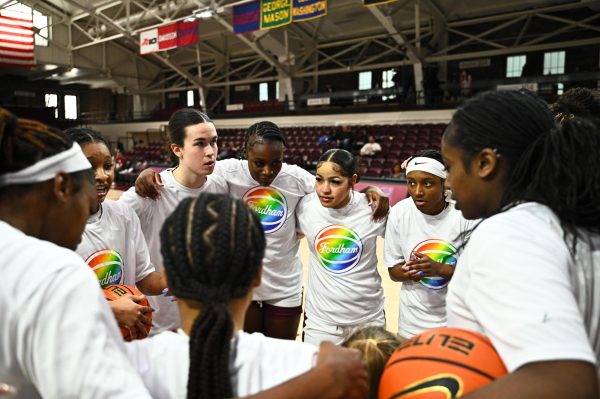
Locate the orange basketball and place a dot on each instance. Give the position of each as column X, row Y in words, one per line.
column 115, row 291
column 442, row 363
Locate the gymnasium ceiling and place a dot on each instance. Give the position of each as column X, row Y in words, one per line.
column 350, row 38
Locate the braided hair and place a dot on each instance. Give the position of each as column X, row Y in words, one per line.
column 213, row 247
column 261, row 132
column 576, row 102
column 23, row 142
column 84, row 135
column 547, row 163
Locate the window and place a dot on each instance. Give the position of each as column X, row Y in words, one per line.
column 41, row 22
column 263, row 92
column 190, row 98
column 52, row 102
column 70, row 107
column 554, row 63
column 388, row 81
column 364, row 80
column 277, row 90
column 560, row 88
column 514, row 65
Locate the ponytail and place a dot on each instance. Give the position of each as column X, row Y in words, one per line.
column 212, row 248
column 555, row 171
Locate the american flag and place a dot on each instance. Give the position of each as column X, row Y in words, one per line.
column 16, row 42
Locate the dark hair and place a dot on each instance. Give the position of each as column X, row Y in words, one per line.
column 260, row 132
column 180, row 120
column 84, row 135
column 212, row 247
column 344, row 159
column 577, row 102
column 548, row 164
column 429, row 153
column 23, row 142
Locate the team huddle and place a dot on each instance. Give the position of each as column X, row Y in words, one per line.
column 500, row 235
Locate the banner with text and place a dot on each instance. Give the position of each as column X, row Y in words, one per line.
column 275, row 13
column 179, row 34
column 246, row 17
column 167, row 37
column 305, row 10
column 149, row 41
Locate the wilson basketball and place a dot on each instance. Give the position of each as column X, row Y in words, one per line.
column 440, row 363
column 115, row 291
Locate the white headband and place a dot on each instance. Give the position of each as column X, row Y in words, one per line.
column 425, row 164
column 69, row 161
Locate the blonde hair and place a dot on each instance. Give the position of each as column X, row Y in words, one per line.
column 377, row 345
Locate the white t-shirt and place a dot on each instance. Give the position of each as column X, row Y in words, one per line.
column 260, row 362
column 276, row 207
column 58, row 337
column 523, row 297
column 152, row 214
column 113, row 245
column 344, row 287
column 422, row 303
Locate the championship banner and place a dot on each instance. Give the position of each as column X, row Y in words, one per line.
column 159, row 39
column 16, row 43
column 246, row 17
column 187, row 33
column 305, row 10
column 368, row 3
column 149, row 41
column 167, row 37
column 275, row 13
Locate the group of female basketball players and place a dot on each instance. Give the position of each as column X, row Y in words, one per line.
column 523, row 215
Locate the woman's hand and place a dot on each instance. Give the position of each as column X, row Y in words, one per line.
column 347, row 368
column 130, row 314
column 421, row 265
column 378, row 201
column 7, row 390
column 148, row 184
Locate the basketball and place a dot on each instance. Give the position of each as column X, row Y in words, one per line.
column 440, row 363
column 115, row 291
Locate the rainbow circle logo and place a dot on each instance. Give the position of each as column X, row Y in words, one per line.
column 338, row 248
column 108, row 266
column 439, row 251
column 270, row 205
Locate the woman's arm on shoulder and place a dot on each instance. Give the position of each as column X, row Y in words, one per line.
column 379, row 202
column 339, row 373
column 148, row 184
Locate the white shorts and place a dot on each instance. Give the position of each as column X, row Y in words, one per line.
column 291, row 301
column 315, row 332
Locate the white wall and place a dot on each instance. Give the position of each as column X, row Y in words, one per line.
column 115, row 130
